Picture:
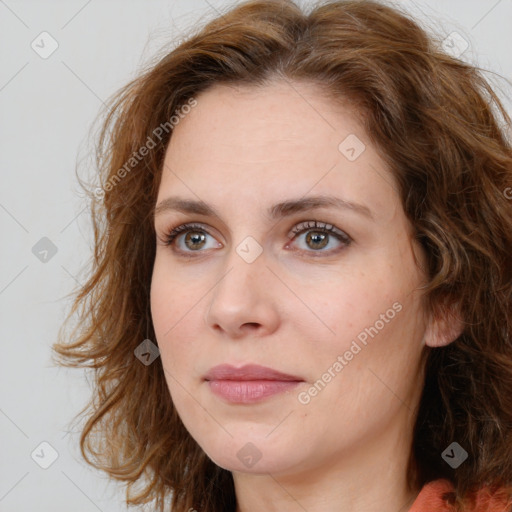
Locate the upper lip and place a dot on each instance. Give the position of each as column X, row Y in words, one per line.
column 247, row 372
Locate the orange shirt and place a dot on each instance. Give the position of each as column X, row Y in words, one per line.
column 430, row 499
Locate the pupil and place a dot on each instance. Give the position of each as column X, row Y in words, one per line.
column 317, row 238
column 194, row 237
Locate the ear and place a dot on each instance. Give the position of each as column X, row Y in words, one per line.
column 444, row 326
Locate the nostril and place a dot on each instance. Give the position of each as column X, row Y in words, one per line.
column 251, row 325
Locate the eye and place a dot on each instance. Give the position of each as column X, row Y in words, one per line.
column 318, row 236
column 195, row 238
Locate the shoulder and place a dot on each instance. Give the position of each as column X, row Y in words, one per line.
column 435, row 497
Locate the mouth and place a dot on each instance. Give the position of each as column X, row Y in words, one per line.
column 249, row 383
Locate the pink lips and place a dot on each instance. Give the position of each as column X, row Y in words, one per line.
column 248, row 384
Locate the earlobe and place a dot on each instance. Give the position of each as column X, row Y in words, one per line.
column 444, row 327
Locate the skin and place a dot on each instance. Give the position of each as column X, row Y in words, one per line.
column 296, row 308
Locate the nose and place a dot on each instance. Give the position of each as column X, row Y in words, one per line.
column 245, row 299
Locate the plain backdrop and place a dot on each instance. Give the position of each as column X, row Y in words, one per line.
column 48, row 104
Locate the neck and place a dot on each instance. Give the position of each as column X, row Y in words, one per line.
column 371, row 477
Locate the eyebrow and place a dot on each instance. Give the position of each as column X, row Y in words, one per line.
column 275, row 212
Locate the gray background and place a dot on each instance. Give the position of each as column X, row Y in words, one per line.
column 47, row 108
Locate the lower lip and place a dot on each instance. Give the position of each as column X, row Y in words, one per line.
column 249, row 391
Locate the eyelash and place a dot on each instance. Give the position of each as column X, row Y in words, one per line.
column 300, row 228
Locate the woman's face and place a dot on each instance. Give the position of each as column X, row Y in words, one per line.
column 266, row 276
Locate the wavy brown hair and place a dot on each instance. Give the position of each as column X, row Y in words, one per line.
column 440, row 127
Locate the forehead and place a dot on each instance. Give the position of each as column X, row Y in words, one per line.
column 281, row 114
column 270, row 140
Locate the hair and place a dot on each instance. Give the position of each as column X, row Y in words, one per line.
column 440, row 128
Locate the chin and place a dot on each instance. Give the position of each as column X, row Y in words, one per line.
column 263, row 466
column 252, row 454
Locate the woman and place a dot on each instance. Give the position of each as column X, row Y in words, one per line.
column 302, row 287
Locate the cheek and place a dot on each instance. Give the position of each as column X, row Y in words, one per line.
column 373, row 316
column 169, row 306
column 163, row 307
column 354, row 302
column 171, row 298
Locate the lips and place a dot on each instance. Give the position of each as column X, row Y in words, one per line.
column 248, row 372
column 248, row 384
